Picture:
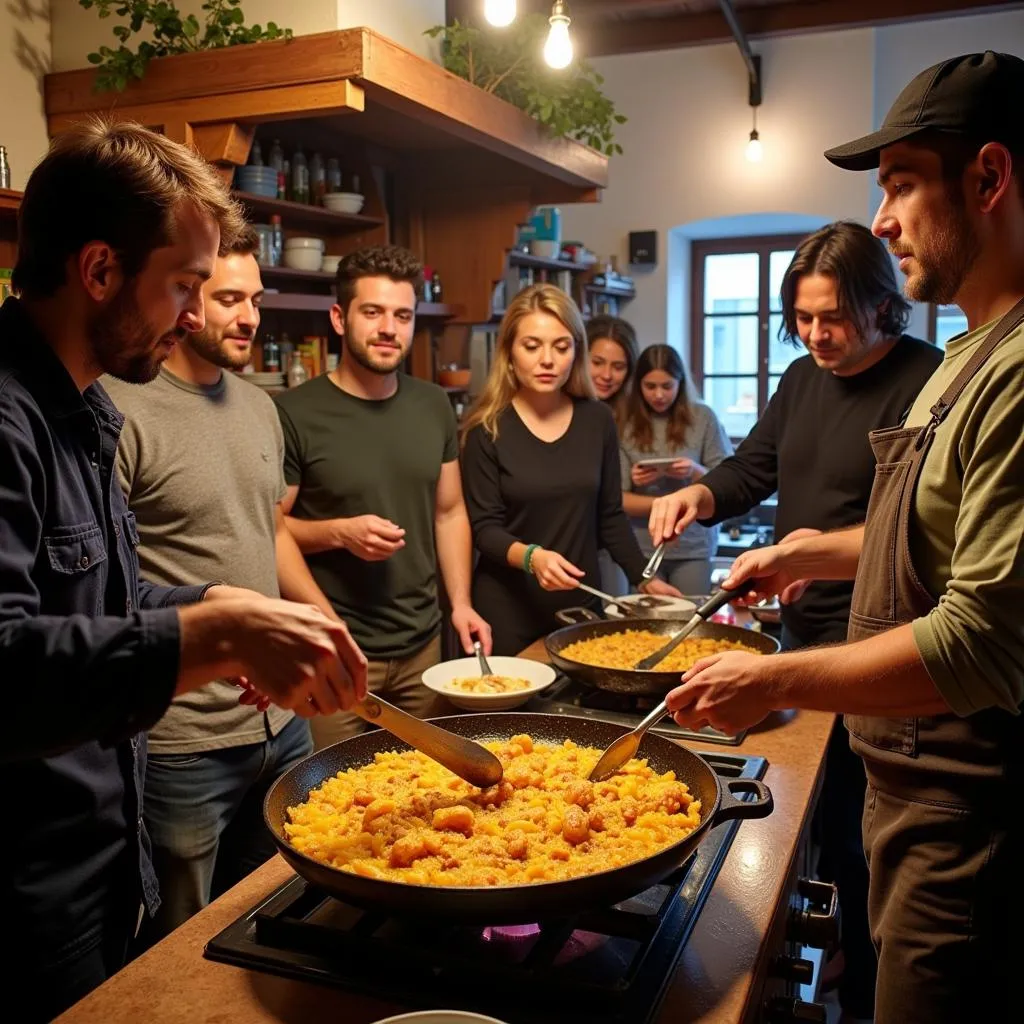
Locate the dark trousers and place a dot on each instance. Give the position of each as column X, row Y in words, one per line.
column 837, row 825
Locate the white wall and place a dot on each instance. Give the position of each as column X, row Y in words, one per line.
column 24, row 59
column 684, row 149
column 404, row 21
column 689, row 122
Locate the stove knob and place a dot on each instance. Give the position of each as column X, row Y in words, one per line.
column 817, row 924
column 787, row 1010
column 793, row 968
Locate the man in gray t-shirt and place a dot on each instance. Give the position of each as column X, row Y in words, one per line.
column 201, row 462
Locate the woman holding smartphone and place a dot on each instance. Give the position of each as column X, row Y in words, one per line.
column 667, row 440
column 540, row 470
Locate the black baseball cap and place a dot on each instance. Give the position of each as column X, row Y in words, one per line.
column 978, row 95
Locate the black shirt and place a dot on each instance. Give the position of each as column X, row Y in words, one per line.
column 84, row 670
column 564, row 495
column 811, row 446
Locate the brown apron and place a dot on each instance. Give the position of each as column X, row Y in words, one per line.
column 944, row 807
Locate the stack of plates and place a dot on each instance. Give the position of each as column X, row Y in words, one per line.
column 273, row 381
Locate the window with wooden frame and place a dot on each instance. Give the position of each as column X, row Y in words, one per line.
column 736, row 354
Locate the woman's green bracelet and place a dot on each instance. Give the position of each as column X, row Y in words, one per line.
column 528, row 557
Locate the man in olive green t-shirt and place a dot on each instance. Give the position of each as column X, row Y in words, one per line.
column 374, row 494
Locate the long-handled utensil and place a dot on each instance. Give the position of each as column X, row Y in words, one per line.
column 485, row 669
column 468, row 759
column 654, row 564
column 626, row 746
column 608, row 599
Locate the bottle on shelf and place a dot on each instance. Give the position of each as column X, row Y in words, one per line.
column 271, row 355
column 428, row 284
column 436, row 291
column 276, row 157
column 317, row 180
column 296, row 371
column 284, row 181
column 300, row 178
column 355, row 182
column 277, row 240
column 333, row 175
column 5, row 169
column 255, row 155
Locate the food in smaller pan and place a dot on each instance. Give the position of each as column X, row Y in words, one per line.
column 405, row 818
column 625, row 649
column 489, row 684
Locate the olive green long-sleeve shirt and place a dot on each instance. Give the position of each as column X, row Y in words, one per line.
column 967, row 531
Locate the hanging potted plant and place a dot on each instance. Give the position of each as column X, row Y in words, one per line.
column 509, row 64
column 171, row 32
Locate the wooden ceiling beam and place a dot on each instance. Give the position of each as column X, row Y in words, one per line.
column 596, row 38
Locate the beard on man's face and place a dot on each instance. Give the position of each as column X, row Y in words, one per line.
column 944, row 259
column 222, row 349
column 376, row 360
column 124, row 344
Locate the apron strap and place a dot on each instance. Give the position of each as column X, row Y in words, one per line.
column 940, row 410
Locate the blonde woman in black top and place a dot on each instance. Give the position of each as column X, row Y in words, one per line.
column 540, row 468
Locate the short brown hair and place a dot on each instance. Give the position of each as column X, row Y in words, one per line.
column 117, row 182
column 390, row 261
column 245, row 243
column 862, row 270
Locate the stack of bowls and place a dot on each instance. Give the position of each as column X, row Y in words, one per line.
column 258, row 181
column 344, row 202
column 303, row 253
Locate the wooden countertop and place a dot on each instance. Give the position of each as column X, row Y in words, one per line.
column 713, row 984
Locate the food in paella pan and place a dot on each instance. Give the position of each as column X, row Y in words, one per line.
column 405, row 818
column 625, row 649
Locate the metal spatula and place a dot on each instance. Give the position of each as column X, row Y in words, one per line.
column 702, row 614
column 469, row 760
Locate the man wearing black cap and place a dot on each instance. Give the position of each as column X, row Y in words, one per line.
column 932, row 677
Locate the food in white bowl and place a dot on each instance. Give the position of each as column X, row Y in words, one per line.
column 344, row 202
column 489, row 684
column 449, row 679
column 651, row 606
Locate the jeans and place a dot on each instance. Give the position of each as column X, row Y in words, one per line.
column 204, row 812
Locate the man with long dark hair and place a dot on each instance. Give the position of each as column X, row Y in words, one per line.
column 840, row 300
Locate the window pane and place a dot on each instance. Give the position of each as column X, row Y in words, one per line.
column 778, row 262
column 734, row 400
column 949, row 322
column 731, row 283
column 780, row 353
column 730, row 344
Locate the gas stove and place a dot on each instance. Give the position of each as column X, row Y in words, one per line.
column 611, row 963
column 565, row 696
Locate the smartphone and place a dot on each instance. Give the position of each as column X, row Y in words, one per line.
column 655, row 463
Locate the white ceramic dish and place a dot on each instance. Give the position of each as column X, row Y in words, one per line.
column 667, row 607
column 344, row 202
column 329, row 264
column 302, row 259
column 305, row 242
column 440, row 1017
column 439, row 678
column 545, row 250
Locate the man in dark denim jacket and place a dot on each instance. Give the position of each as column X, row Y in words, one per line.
column 119, row 228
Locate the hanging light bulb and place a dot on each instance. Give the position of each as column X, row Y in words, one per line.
column 755, row 151
column 500, row 13
column 558, row 48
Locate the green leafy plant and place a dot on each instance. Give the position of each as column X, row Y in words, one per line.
column 510, row 64
column 172, row 32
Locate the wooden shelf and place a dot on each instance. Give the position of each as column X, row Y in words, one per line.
column 305, row 302
column 287, row 274
column 617, row 293
column 10, row 202
column 524, row 259
column 302, row 213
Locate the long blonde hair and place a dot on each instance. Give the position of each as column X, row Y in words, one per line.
column 501, row 385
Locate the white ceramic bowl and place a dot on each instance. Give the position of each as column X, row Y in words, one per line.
column 440, row 1017
column 305, row 242
column 545, row 250
column 329, row 264
column 667, row 607
column 439, row 679
column 302, row 259
column 344, row 202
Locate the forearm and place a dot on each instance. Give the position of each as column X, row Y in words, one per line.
column 882, row 676
column 828, row 556
column 294, row 579
column 638, row 505
column 207, row 649
column 454, row 539
column 315, row 535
